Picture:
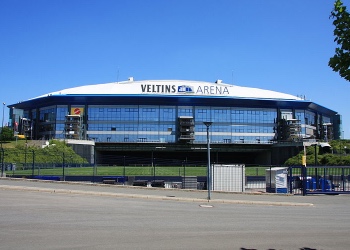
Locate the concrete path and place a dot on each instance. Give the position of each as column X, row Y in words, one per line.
column 172, row 194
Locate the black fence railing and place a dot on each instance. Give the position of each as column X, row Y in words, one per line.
column 298, row 180
column 319, row 180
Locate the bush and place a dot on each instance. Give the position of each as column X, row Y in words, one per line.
column 7, row 134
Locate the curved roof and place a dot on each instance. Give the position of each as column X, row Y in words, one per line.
column 172, row 88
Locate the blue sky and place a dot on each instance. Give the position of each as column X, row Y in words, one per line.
column 277, row 45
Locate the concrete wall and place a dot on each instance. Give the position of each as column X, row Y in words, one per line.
column 85, row 149
column 279, row 154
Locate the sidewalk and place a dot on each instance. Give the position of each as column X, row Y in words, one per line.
column 150, row 193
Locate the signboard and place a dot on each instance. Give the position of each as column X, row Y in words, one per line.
column 184, row 89
column 77, row 111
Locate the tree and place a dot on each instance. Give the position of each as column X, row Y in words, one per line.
column 340, row 62
column 7, row 134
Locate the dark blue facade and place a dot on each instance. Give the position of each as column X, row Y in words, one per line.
column 155, row 118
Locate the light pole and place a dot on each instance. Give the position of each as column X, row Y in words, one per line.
column 2, row 123
column 2, row 135
column 208, row 124
column 3, row 112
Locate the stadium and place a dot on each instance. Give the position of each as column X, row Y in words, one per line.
column 167, row 120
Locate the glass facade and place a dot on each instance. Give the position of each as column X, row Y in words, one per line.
column 46, row 122
column 157, row 123
column 160, row 123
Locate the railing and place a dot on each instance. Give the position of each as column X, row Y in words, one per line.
column 320, row 180
column 254, row 180
column 296, row 180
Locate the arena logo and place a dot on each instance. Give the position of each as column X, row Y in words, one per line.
column 185, row 89
column 202, row 90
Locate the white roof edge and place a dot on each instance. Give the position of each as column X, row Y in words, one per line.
column 173, row 87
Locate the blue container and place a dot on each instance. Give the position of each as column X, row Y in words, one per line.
column 310, row 183
column 282, row 190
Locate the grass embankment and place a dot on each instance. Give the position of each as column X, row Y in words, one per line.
column 99, row 170
column 13, row 144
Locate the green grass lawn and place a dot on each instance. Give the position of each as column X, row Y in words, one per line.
column 129, row 171
column 114, row 170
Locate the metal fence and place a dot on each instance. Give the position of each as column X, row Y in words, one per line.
column 300, row 180
column 173, row 176
column 297, row 180
column 319, row 180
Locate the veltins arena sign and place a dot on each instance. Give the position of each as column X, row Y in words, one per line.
column 184, row 89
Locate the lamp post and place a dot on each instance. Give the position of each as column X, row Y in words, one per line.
column 3, row 111
column 124, row 169
column 2, row 135
column 208, row 124
column 2, row 123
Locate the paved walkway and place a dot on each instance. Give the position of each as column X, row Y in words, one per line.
column 61, row 215
column 201, row 196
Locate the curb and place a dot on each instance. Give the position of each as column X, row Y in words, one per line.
column 152, row 197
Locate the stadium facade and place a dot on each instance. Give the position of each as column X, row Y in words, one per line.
column 164, row 119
